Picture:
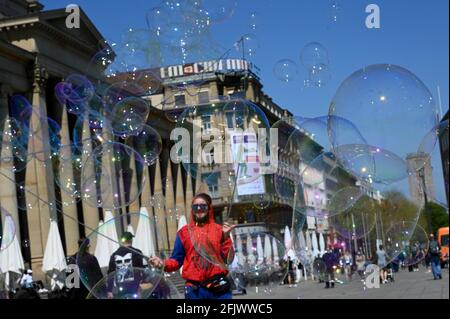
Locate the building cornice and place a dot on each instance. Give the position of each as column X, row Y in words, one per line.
column 14, row 51
column 39, row 21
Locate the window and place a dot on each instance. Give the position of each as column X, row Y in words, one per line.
column 214, row 191
column 180, row 100
column 203, row 97
column 213, row 183
column 206, row 122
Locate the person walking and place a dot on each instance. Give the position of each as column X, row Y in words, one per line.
column 331, row 261
column 347, row 263
column 435, row 260
column 360, row 264
column 381, row 261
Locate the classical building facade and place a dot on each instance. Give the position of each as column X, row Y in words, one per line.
column 37, row 51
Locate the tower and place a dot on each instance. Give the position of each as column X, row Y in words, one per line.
column 423, row 176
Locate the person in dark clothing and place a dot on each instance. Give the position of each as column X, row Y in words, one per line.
column 291, row 272
column 89, row 269
column 435, row 253
column 331, row 261
column 125, row 270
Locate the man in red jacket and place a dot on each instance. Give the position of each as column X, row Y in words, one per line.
column 203, row 248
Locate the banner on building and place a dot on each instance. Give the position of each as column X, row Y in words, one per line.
column 247, row 167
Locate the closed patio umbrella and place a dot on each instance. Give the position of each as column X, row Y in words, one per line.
column 11, row 260
column 54, row 263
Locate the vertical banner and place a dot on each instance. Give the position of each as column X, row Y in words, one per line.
column 244, row 149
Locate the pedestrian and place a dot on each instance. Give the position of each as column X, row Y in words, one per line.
column 125, row 270
column 291, row 272
column 360, row 264
column 435, row 257
column 381, row 261
column 26, row 282
column 347, row 263
column 331, row 261
column 203, row 248
column 88, row 267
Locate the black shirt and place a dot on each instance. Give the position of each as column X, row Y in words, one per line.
column 125, row 271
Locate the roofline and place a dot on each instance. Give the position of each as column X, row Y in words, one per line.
column 41, row 16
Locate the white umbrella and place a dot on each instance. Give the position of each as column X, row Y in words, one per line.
column 182, row 222
column 315, row 244
column 276, row 258
column 288, row 244
column 322, row 244
column 240, row 254
column 301, row 240
column 54, row 263
column 308, row 241
column 11, row 260
column 259, row 250
column 287, row 238
column 267, row 250
column 250, row 255
column 143, row 240
column 107, row 240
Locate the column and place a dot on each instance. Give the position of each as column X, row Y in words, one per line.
column 180, row 204
column 39, row 174
column 8, row 196
column 133, row 189
column 69, row 206
column 90, row 212
column 170, row 207
column 158, row 205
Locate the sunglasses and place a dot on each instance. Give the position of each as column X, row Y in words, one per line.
column 202, row 207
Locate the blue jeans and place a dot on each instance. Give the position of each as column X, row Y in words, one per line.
column 436, row 267
column 192, row 292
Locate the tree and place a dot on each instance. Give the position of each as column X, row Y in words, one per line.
column 439, row 217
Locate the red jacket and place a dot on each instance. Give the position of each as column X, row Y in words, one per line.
column 201, row 250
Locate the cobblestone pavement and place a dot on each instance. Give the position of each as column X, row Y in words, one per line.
column 407, row 285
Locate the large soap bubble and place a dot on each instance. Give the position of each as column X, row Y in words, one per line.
column 127, row 271
column 392, row 109
column 259, row 264
column 285, row 70
column 104, row 171
column 406, row 243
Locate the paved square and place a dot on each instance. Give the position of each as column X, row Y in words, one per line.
column 407, row 285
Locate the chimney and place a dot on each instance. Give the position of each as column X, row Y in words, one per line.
column 34, row 6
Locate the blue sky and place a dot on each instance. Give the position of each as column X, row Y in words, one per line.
column 413, row 34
